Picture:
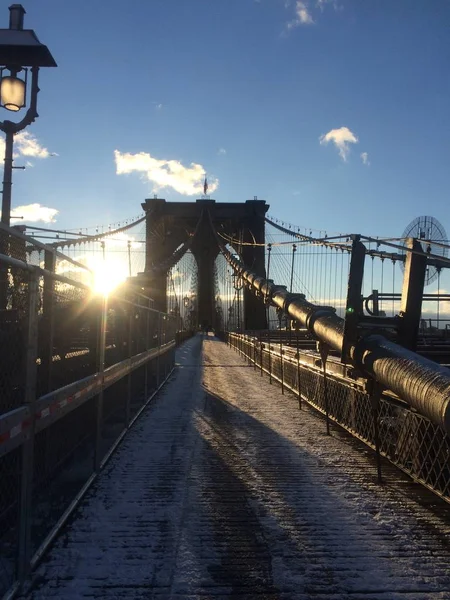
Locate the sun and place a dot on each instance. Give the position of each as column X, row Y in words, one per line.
column 107, row 275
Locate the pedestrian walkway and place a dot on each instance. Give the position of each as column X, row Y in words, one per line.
column 224, row 489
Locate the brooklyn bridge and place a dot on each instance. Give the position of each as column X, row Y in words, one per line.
column 207, row 402
column 251, row 410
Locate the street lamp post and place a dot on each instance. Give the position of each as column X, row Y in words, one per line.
column 20, row 50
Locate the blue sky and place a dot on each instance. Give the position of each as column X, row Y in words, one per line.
column 271, row 98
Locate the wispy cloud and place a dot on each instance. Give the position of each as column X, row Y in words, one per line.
column 221, row 151
column 35, row 212
column 365, row 158
column 304, row 11
column 323, row 3
column 26, row 144
column 165, row 173
column 302, row 15
column 341, row 138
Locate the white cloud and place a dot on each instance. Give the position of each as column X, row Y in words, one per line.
column 304, row 10
column 365, row 158
column 35, row 212
column 302, row 15
column 25, row 144
column 341, row 138
column 165, row 173
column 222, row 151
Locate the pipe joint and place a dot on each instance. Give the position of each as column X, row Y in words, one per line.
column 293, row 298
column 325, row 311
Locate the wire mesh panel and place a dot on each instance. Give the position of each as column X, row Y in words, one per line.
column 406, row 438
column 229, row 294
column 182, row 281
column 63, row 462
column 10, row 489
column 75, row 368
column 12, row 359
column 19, row 301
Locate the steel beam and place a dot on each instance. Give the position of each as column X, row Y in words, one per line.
column 412, row 293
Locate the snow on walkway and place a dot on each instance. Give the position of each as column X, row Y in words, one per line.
column 224, row 489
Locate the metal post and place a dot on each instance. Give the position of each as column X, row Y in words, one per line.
column 46, row 344
column 147, row 344
column 375, row 390
column 270, row 364
column 353, row 305
column 294, row 249
column 254, row 351
column 129, row 382
column 299, row 386
column 324, row 350
column 412, row 293
column 129, row 257
column 6, row 216
column 100, row 370
column 239, row 308
column 7, row 178
column 158, row 359
column 28, row 444
column 266, row 299
column 281, row 364
column 375, row 303
column 260, row 354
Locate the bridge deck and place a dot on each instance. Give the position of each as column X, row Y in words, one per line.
column 224, row 489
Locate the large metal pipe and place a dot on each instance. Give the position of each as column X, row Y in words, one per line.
column 420, row 382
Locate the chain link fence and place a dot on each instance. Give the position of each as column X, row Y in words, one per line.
column 75, row 371
column 384, row 422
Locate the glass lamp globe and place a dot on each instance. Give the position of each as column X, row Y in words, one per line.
column 12, row 93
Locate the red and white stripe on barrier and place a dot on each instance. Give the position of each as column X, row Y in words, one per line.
column 114, row 375
column 55, row 407
column 16, row 430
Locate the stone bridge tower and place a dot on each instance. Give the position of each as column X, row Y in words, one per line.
column 171, row 224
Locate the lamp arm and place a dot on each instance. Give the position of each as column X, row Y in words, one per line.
column 31, row 114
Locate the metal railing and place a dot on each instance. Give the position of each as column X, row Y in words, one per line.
column 75, row 372
column 383, row 421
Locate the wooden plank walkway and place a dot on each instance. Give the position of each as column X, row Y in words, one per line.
column 224, row 489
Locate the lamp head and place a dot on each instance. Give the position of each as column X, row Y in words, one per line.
column 16, row 16
column 19, row 46
column 12, row 89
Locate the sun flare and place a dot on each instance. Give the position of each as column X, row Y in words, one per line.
column 108, row 275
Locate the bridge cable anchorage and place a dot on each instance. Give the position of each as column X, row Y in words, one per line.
column 422, row 383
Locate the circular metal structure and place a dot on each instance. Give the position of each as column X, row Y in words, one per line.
column 433, row 239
